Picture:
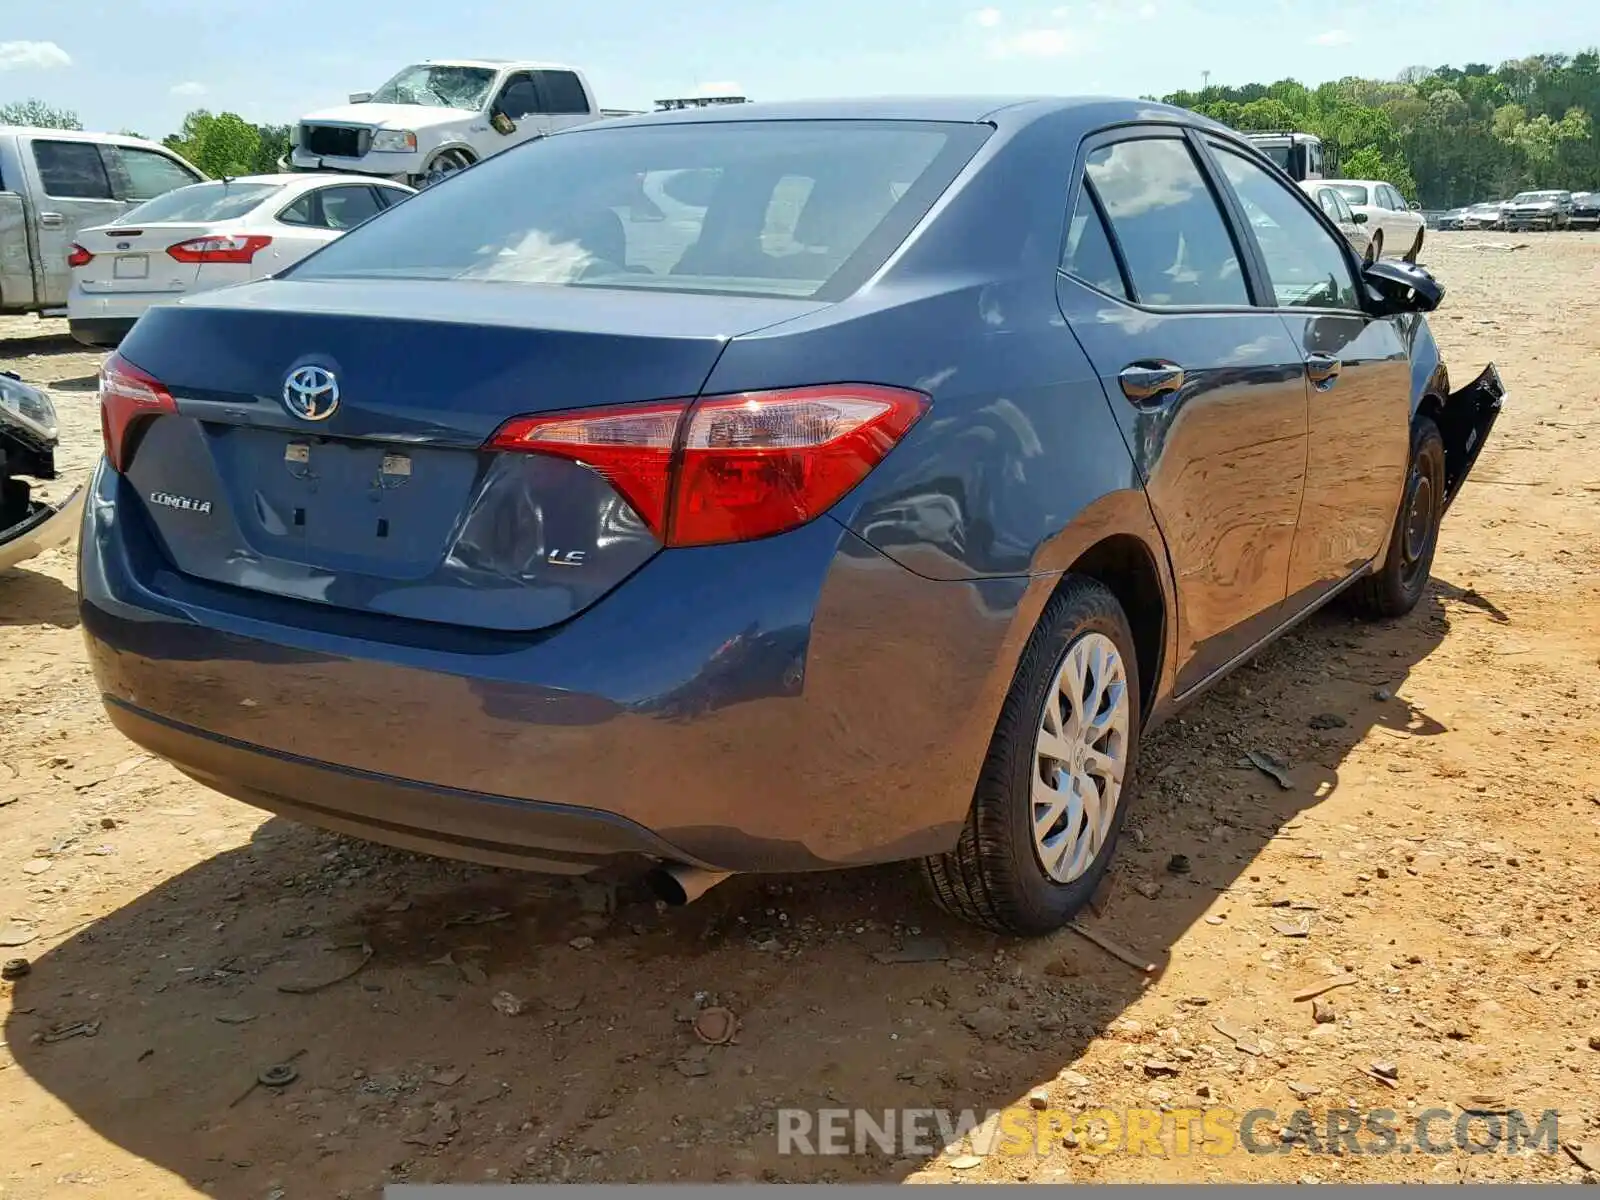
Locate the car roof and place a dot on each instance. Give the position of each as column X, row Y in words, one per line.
column 304, row 179
column 1366, row 183
column 495, row 63
column 79, row 135
column 998, row 110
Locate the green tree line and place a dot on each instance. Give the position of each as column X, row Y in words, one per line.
column 1445, row 136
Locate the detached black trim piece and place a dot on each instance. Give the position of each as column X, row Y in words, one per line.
column 476, row 827
column 1469, row 414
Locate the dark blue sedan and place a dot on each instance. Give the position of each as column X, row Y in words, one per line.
column 766, row 489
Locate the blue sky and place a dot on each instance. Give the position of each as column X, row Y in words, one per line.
column 142, row 65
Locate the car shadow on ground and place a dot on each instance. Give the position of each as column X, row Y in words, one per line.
column 29, row 598
column 449, row 1023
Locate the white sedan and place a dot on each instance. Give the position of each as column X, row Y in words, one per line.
column 1396, row 227
column 209, row 235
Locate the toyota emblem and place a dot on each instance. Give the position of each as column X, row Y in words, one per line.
column 311, row 393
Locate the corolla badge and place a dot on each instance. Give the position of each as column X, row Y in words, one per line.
column 183, row 503
column 311, row 393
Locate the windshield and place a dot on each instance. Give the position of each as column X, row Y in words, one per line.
column 438, row 87
column 202, row 202
column 765, row 208
column 1534, row 197
column 1353, row 192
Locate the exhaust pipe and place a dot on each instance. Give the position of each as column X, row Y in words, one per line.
column 678, row 885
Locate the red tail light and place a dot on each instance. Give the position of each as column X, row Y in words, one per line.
column 222, row 248
column 127, row 397
column 78, row 256
column 729, row 468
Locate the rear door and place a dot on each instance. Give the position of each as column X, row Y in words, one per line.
column 75, row 191
column 1208, row 387
column 1357, row 376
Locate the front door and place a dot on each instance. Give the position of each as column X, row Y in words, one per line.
column 1208, row 387
column 1357, row 380
column 75, row 192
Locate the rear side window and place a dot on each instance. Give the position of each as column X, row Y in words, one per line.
column 1088, row 255
column 203, row 202
column 72, row 170
column 562, row 92
column 147, row 174
column 1173, row 237
column 766, row 208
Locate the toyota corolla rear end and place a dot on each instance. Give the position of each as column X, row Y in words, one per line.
column 493, row 532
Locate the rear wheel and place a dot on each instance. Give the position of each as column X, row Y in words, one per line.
column 1055, row 787
column 1394, row 588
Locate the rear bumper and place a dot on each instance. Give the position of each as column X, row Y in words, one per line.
column 495, row 830
column 100, row 332
column 790, row 704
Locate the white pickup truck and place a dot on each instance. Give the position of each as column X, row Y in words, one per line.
column 436, row 117
column 54, row 182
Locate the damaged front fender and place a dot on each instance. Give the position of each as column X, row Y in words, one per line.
column 1465, row 421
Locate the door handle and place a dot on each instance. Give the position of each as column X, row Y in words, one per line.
column 1147, row 382
column 1322, row 369
column 50, row 220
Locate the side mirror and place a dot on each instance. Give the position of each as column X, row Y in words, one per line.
column 1414, row 207
column 1360, row 218
column 360, row 97
column 503, row 124
column 1397, row 286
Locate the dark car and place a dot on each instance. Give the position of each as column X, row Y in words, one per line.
column 1585, row 211
column 865, row 504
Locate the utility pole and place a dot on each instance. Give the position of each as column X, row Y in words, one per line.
column 1205, row 80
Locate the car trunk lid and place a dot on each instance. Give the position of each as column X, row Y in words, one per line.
column 386, row 501
column 134, row 258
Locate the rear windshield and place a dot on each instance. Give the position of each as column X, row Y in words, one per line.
column 765, row 208
column 1353, row 192
column 203, row 202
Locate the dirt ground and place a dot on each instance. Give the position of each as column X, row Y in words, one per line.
column 1437, row 852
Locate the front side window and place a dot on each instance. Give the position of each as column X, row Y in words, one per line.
column 347, row 207
column 438, row 86
column 72, row 170
column 779, row 208
column 148, row 174
column 1088, row 255
column 519, row 97
column 1308, row 268
column 1174, row 240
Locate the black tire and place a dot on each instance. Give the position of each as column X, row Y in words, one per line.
column 443, row 165
column 994, row 877
column 1395, row 587
column 1416, row 247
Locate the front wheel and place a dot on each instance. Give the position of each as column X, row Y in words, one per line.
column 444, row 165
column 1395, row 587
column 1055, row 786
